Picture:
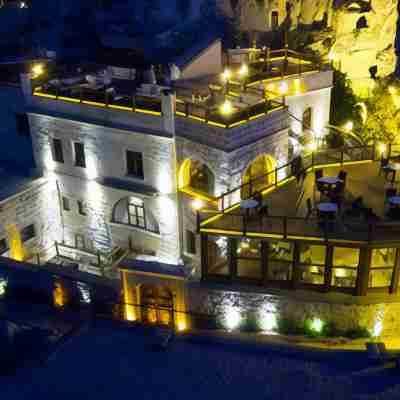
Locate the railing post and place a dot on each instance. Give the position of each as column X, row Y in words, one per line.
column 390, row 150
column 133, row 103
column 312, row 159
column 198, row 221
column 223, row 203
column 285, row 227
column 80, row 94
column 341, row 157
column 57, row 251
column 276, row 177
column 244, row 216
column 186, row 109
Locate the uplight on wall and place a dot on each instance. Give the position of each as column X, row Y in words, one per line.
column 181, row 326
column 377, row 329
column 268, row 322
column 243, row 71
column 3, row 286
column 232, row 318
column 316, row 325
column 197, row 204
column 283, row 88
column 348, row 126
column 382, row 148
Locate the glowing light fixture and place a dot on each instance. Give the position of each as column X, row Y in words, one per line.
column 226, row 75
column 317, row 325
column 283, row 88
column 3, row 286
column 268, row 322
column 197, row 204
column 22, row 4
column 348, row 126
column 243, row 71
column 226, row 108
column 382, row 148
column 392, row 90
column 312, row 146
column 181, row 326
column 377, row 329
column 232, row 318
column 37, row 70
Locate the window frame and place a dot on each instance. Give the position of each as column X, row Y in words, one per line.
column 81, row 161
column 26, row 229
column 135, row 215
column 138, row 164
column 66, row 204
column 81, row 208
column 58, row 155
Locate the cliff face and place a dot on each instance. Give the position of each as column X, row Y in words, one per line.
column 359, row 33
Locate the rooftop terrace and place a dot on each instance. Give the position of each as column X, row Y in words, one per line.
column 239, row 96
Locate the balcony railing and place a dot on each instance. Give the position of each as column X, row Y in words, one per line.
column 289, row 171
column 296, row 228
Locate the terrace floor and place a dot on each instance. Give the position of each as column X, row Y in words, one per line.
column 290, row 201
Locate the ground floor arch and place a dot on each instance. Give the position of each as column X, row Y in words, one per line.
column 197, row 176
column 258, row 175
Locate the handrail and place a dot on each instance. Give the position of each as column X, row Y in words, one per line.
column 282, row 174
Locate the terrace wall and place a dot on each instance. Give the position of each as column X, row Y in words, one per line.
column 346, row 314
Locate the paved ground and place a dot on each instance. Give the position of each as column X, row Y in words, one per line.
column 110, row 360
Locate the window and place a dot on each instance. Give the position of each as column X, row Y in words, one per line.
column 312, row 264
column 58, row 155
column 134, row 164
column 66, row 204
column 201, row 177
column 274, row 20
column 248, row 258
column 381, row 268
column 79, row 241
column 28, row 233
column 344, row 266
column 3, row 246
column 80, row 160
column 190, row 242
column 217, row 256
column 22, row 124
column 81, row 208
column 136, row 212
column 307, row 119
column 280, row 261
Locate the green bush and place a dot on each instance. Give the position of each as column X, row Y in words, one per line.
column 357, row 333
column 250, row 324
column 287, row 326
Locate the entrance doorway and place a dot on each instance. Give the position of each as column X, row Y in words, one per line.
column 157, row 305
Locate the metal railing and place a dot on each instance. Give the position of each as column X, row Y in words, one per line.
column 282, row 174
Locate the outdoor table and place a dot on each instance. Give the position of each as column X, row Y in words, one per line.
column 395, row 200
column 328, row 207
column 248, row 203
column 330, row 180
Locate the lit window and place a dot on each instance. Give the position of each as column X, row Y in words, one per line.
column 344, row 266
column 312, row 264
column 280, row 261
column 381, row 268
column 136, row 212
column 248, row 258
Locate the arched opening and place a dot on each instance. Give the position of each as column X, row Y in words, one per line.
column 133, row 211
column 362, row 23
column 274, row 20
column 307, row 119
column 196, row 176
column 157, row 305
column 258, row 175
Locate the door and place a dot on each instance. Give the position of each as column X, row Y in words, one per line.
column 157, row 305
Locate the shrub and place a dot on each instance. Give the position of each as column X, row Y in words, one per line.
column 288, row 326
column 357, row 333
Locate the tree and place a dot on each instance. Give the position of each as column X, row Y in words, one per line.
column 383, row 118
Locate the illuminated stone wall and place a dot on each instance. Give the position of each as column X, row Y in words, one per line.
column 343, row 313
column 37, row 205
column 105, row 150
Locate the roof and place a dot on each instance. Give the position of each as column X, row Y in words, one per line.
column 13, row 182
column 152, row 267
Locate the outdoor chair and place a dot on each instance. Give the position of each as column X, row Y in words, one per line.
column 342, row 175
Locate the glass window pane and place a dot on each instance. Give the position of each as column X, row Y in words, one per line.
column 247, row 268
column 312, row 274
column 382, row 258
column 312, row 254
column 280, row 251
column 279, row 270
column 217, row 255
column 380, row 277
column 249, row 248
column 345, row 257
column 344, row 277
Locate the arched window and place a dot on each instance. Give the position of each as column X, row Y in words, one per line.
column 307, row 119
column 362, row 23
column 197, row 176
column 132, row 211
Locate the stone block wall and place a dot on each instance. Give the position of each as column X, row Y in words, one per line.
column 36, row 205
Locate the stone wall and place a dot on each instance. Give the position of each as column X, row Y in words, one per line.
column 36, row 205
column 345, row 315
column 105, row 150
